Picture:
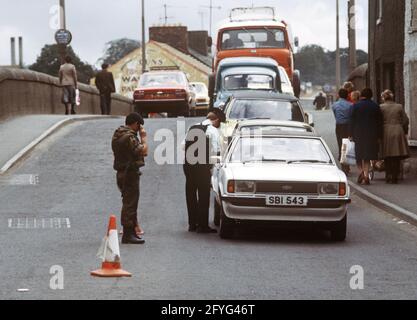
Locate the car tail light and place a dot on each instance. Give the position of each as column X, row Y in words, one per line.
column 342, row 189
column 231, row 186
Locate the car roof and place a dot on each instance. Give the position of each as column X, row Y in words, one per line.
column 249, row 70
column 279, row 134
column 271, row 122
column 163, row 71
column 241, row 61
column 263, row 95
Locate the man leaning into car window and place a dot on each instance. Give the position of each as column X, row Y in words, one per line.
column 201, row 138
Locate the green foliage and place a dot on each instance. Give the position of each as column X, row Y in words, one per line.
column 117, row 49
column 49, row 62
column 319, row 66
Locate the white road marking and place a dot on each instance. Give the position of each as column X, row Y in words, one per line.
column 39, row 223
column 20, row 180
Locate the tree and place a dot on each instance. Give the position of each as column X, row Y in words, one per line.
column 319, row 66
column 115, row 50
column 49, row 62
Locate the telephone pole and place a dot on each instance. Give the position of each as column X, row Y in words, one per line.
column 63, row 25
column 143, row 38
column 338, row 69
column 211, row 7
column 352, row 35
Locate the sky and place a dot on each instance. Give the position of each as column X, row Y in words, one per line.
column 95, row 22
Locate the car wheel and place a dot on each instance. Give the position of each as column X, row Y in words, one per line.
column 216, row 213
column 338, row 230
column 226, row 226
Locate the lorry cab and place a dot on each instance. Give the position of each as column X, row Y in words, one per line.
column 243, row 74
column 257, row 32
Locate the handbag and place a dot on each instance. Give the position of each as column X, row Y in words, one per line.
column 348, row 155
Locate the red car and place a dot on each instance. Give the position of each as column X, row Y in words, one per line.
column 164, row 91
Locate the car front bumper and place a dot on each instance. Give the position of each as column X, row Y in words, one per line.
column 255, row 209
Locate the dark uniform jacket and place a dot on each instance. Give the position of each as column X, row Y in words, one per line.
column 105, row 82
column 127, row 149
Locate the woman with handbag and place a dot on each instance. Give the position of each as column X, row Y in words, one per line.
column 395, row 144
column 366, row 133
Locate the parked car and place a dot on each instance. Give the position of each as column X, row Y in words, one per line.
column 247, row 105
column 164, row 91
column 246, row 73
column 280, row 177
column 202, row 100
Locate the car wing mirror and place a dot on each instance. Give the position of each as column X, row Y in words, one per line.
column 310, row 118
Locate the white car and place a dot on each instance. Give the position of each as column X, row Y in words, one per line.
column 202, row 99
column 286, row 85
column 280, row 177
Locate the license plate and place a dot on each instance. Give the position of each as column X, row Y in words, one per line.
column 287, row 201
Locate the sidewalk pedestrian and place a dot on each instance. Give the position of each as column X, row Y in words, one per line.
column 367, row 132
column 105, row 84
column 355, row 96
column 129, row 154
column 197, row 169
column 320, row 101
column 342, row 110
column 68, row 81
column 395, row 144
column 349, row 86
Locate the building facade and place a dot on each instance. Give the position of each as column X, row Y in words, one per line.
column 410, row 67
column 386, row 47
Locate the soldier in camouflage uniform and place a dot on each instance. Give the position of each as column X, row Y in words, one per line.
column 129, row 152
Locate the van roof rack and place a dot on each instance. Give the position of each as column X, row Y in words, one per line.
column 252, row 14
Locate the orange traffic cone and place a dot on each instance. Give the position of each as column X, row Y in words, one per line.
column 110, row 254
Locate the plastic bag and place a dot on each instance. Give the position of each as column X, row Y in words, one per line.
column 77, row 97
column 348, row 155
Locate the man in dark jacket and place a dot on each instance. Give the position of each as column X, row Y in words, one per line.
column 105, row 84
column 320, row 101
column 129, row 152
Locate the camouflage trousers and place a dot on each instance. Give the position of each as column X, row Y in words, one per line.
column 128, row 183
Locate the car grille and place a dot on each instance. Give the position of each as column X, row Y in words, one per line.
column 286, row 188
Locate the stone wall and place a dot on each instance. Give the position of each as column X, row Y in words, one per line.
column 29, row 92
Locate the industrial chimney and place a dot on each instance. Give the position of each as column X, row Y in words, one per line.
column 13, row 50
column 20, row 52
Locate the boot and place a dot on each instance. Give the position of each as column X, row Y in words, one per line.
column 130, row 237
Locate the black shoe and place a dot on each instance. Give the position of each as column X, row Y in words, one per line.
column 130, row 237
column 73, row 112
column 192, row 228
column 206, row 230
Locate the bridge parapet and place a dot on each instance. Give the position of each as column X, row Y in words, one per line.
column 29, row 92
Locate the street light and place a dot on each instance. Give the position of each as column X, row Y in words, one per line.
column 338, row 72
column 211, row 7
column 143, row 38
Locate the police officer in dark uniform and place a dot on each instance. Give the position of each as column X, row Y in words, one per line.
column 129, row 152
column 202, row 141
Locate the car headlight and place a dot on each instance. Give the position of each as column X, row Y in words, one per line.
column 328, row 188
column 245, row 186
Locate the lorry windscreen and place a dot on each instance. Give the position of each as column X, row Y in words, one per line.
column 253, row 39
column 248, row 81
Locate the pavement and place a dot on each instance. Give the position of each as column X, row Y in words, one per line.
column 76, row 188
column 398, row 199
column 20, row 134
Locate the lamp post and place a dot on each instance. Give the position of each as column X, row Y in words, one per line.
column 338, row 69
column 143, row 38
column 63, row 26
column 352, row 35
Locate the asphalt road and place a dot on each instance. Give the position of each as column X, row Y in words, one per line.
column 77, row 185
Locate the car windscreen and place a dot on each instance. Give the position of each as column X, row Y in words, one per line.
column 248, row 81
column 247, row 38
column 266, row 109
column 280, row 149
column 161, row 80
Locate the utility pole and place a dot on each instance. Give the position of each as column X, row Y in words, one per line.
column 143, row 38
column 352, row 35
column 201, row 13
column 211, row 7
column 63, row 25
column 338, row 69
